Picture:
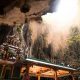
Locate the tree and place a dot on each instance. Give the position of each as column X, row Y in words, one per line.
column 38, row 46
column 41, row 49
column 72, row 54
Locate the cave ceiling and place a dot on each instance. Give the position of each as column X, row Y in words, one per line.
column 12, row 10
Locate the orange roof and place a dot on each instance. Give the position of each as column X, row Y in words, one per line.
column 45, row 69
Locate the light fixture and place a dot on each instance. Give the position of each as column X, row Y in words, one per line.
column 25, row 7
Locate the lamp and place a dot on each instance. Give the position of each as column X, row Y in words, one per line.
column 25, row 7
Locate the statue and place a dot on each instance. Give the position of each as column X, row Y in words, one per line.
column 27, row 37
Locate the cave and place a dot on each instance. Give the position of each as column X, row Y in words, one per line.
column 5, row 30
column 6, row 5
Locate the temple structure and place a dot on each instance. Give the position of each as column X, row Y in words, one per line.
column 15, row 61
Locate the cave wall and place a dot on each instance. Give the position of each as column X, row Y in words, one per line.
column 37, row 8
column 5, row 30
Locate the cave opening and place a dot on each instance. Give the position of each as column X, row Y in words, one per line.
column 6, row 5
column 5, row 30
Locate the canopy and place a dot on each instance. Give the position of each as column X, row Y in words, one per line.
column 45, row 69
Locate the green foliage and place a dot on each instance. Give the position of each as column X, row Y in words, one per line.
column 38, row 46
column 41, row 50
column 72, row 54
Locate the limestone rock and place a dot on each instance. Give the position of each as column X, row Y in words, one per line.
column 37, row 8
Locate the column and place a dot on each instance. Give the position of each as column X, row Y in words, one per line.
column 3, row 71
column 38, row 77
column 26, row 74
column 56, row 77
column 12, row 70
column 73, row 78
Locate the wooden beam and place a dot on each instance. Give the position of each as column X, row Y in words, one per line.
column 5, row 62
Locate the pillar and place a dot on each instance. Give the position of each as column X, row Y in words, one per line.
column 26, row 74
column 3, row 71
column 56, row 77
column 73, row 78
column 12, row 70
column 38, row 77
